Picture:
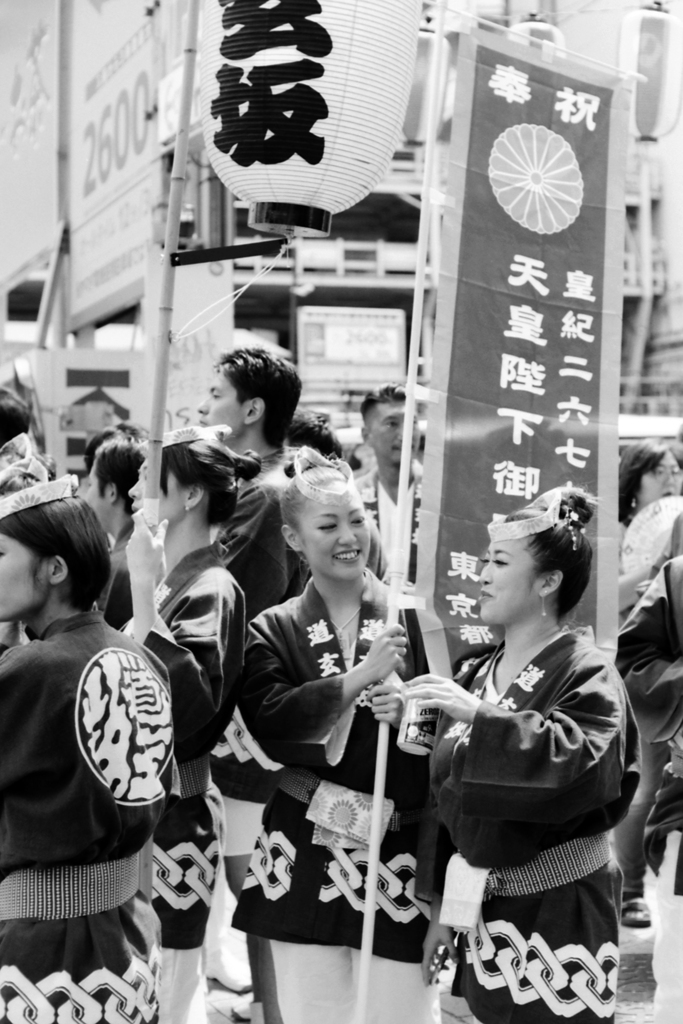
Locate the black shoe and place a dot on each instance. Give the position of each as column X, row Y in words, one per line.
column 635, row 913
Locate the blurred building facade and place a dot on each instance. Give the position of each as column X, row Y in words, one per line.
column 88, row 101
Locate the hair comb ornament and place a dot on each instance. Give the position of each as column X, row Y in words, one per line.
column 185, row 435
column 570, row 522
column 40, row 494
column 528, row 527
column 308, row 458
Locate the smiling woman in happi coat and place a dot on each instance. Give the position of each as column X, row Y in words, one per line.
column 321, row 672
column 86, row 767
column 536, row 759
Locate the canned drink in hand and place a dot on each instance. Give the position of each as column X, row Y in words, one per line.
column 418, row 728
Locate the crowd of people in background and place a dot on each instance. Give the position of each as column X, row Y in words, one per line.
column 189, row 713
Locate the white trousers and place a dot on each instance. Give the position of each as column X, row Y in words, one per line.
column 318, row 985
column 667, row 957
column 182, row 994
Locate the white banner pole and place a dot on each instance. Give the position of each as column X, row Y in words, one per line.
column 163, row 343
column 397, row 556
column 175, row 204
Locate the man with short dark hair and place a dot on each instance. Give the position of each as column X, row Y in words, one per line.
column 255, row 394
column 383, row 412
column 15, row 415
column 115, row 466
column 123, row 429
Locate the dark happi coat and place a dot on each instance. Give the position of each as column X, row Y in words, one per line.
column 268, row 571
column 116, row 601
column 555, row 760
column 85, row 770
column 202, row 648
column 650, row 658
column 291, row 701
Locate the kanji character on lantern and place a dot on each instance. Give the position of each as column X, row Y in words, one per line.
column 572, row 368
column 574, row 405
column 520, row 422
column 464, row 566
column 510, row 83
column 575, row 456
column 575, row 107
column 461, row 604
column 579, row 286
column 472, row 634
column 327, row 665
column 526, row 270
column 261, row 122
column 522, row 375
column 271, row 27
column 518, row 481
column 526, row 324
column 318, row 633
column 576, row 325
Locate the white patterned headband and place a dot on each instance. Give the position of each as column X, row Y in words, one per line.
column 308, row 458
column 187, row 434
column 528, row 527
column 40, row 494
column 19, row 466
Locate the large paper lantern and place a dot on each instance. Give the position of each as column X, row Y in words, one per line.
column 537, row 28
column 303, row 102
column 651, row 43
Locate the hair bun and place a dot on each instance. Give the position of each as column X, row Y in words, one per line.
column 578, row 505
column 247, row 466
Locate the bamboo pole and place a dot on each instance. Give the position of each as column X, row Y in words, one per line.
column 397, row 556
column 163, row 343
column 175, row 203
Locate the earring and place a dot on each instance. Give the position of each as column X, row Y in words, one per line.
column 187, row 508
column 542, row 604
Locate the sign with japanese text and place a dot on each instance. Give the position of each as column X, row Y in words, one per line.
column 355, row 346
column 28, row 133
column 112, row 145
column 528, row 335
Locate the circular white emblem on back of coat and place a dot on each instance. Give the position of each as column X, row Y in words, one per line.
column 124, row 725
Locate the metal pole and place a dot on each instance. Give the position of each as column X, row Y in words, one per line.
column 397, row 556
column 163, row 344
column 643, row 319
column 175, row 202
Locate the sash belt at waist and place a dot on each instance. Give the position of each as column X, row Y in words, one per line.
column 302, row 784
column 69, row 890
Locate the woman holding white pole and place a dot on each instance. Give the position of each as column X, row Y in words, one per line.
column 313, row 697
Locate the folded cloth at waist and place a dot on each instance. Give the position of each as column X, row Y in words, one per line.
column 555, row 866
column 195, row 776
column 69, row 890
column 302, row 784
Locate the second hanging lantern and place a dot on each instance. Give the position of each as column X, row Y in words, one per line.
column 303, row 102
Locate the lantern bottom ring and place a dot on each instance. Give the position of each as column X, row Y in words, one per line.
column 290, row 219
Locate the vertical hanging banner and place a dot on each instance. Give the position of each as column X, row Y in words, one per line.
column 525, row 383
